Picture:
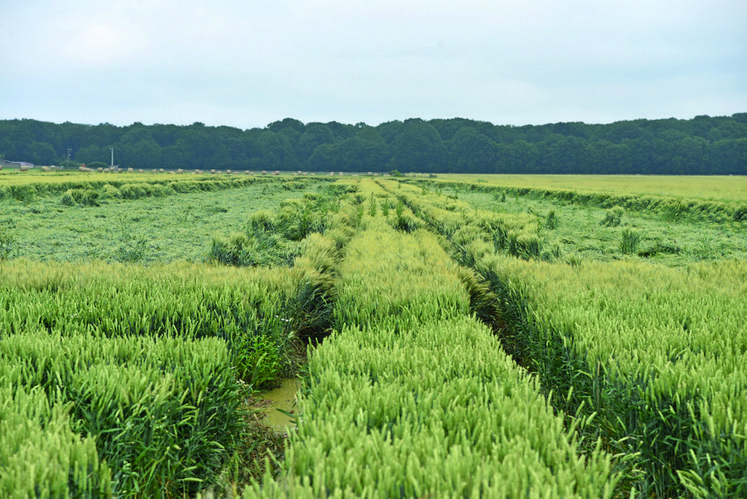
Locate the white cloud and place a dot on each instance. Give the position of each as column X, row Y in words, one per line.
column 249, row 63
column 101, row 44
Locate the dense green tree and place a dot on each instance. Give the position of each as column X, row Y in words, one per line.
column 277, row 152
column 472, row 151
column 520, row 157
column 341, row 131
column 287, row 123
column 144, row 153
column 362, row 155
column 314, row 135
column 702, row 145
column 390, row 130
column 728, row 157
column 689, row 155
column 91, row 153
column 418, row 148
column 41, row 153
column 448, row 128
column 324, row 158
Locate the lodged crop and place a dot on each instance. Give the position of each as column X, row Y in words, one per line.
column 505, row 337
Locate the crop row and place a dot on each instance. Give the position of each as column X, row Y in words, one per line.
column 142, row 363
column 655, row 355
column 126, row 376
column 138, row 375
column 164, row 414
column 672, row 207
column 411, row 397
column 90, row 188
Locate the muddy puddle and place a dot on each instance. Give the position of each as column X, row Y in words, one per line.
column 282, row 398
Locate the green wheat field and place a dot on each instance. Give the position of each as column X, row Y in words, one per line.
column 454, row 336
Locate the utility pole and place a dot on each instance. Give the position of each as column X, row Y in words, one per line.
column 69, row 150
column 112, row 163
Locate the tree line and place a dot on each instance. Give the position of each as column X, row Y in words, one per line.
column 702, row 145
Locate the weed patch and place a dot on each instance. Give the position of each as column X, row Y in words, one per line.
column 629, row 241
column 613, row 217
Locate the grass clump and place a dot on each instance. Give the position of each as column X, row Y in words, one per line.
column 613, row 217
column 132, row 249
column 404, row 219
column 257, row 361
column 311, row 308
column 236, row 249
column 276, row 239
column 40, row 454
column 7, row 242
column 261, row 247
column 80, row 196
column 524, row 244
column 551, row 220
column 629, row 241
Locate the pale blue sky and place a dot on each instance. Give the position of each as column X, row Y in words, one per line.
column 245, row 63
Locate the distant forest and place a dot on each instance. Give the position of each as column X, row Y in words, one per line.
column 700, row 146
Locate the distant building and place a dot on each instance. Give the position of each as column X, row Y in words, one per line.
column 16, row 164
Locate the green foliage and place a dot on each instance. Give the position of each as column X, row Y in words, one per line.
column 613, row 217
column 83, row 197
column 7, row 242
column 109, row 191
column 390, row 275
column 337, row 190
column 296, row 221
column 80, row 233
column 672, row 199
column 405, row 413
column 147, row 357
column 40, row 454
column 385, row 207
column 162, row 412
column 524, row 244
column 400, row 208
column 551, row 220
column 404, row 219
column 701, row 146
column 409, row 377
column 645, row 383
column 372, row 206
column 646, row 414
column 141, row 190
column 629, row 241
column 311, row 308
column 68, row 199
column 261, row 222
column 258, row 361
column 124, row 300
column 275, row 239
column 406, row 223
column 660, row 248
column 675, row 211
column 234, row 250
column 132, row 249
column 482, row 302
column 24, row 192
column 638, row 359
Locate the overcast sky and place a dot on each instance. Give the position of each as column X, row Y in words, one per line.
column 246, row 63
